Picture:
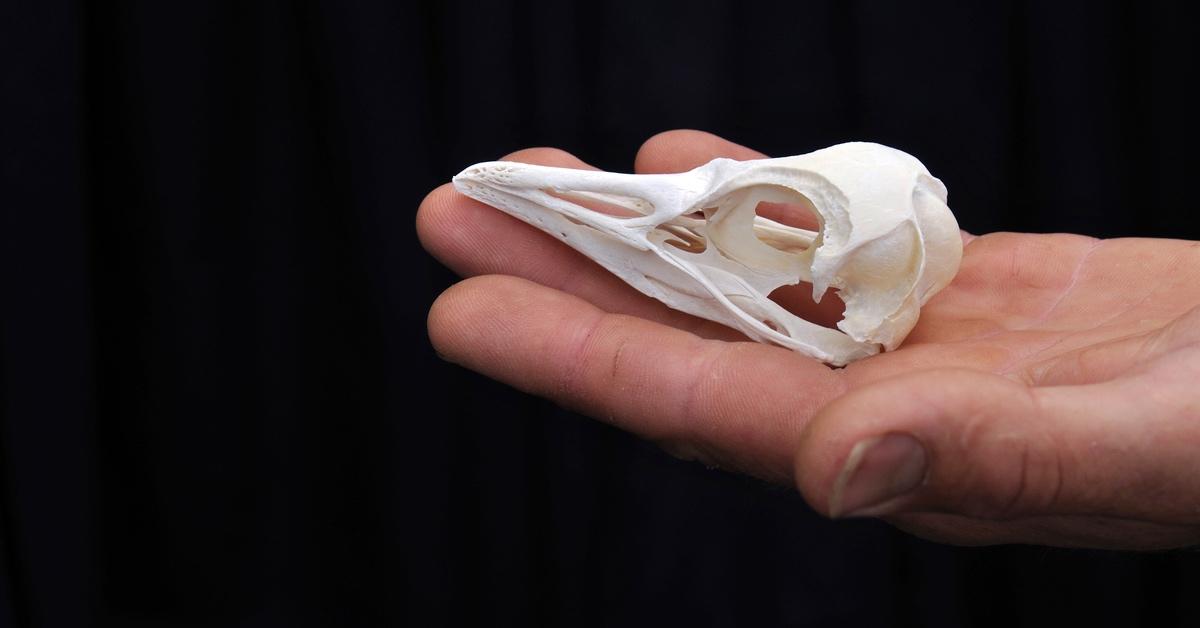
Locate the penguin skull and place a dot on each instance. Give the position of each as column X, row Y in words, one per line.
column 884, row 238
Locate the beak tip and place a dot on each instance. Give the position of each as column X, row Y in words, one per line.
column 483, row 173
column 465, row 175
column 467, row 179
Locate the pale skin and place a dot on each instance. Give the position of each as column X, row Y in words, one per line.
column 1049, row 395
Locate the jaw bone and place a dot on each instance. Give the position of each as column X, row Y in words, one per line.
column 885, row 238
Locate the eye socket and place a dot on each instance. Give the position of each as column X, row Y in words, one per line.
column 788, row 225
column 740, row 235
column 798, row 215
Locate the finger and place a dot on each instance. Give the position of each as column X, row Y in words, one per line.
column 473, row 239
column 684, row 149
column 987, row 447
column 741, row 404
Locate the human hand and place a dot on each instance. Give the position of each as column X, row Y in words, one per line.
column 1050, row 394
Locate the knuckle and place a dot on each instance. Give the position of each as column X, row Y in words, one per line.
column 573, row 384
column 1028, row 482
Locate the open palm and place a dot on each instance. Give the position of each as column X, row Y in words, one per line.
column 1050, row 393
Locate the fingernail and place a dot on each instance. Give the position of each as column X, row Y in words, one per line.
column 877, row 471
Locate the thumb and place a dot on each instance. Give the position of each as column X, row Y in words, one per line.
column 984, row 446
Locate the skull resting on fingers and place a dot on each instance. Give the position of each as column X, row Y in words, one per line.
column 883, row 238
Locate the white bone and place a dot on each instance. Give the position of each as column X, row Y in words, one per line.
column 886, row 239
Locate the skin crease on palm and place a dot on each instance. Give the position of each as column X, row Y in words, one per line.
column 1053, row 386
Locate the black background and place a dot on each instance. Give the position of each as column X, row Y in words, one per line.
column 218, row 402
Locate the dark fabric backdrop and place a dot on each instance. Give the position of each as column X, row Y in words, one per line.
column 218, row 405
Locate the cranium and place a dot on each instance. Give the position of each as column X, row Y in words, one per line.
column 885, row 239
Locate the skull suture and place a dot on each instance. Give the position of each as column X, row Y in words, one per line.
column 885, row 238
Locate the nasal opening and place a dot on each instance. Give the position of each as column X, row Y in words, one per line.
column 614, row 205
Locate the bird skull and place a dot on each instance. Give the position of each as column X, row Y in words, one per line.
column 885, row 239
